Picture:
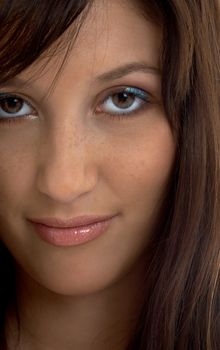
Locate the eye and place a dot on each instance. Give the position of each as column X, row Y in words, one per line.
column 125, row 101
column 12, row 107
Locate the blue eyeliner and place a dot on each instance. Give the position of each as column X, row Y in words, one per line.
column 137, row 92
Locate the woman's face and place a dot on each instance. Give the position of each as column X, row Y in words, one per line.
column 73, row 155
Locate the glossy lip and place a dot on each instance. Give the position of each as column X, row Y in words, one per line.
column 74, row 222
column 72, row 236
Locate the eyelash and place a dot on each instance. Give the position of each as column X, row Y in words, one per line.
column 18, row 119
column 136, row 93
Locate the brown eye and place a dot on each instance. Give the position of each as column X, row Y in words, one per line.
column 123, row 99
column 11, row 105
column 128, row 100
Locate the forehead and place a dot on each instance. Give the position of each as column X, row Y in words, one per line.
column 112, row 34
column 118, row 26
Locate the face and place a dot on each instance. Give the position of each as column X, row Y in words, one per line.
column 96, row 144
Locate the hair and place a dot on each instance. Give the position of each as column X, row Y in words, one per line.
column 181, row 308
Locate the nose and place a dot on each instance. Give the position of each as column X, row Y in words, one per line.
column 65, row 169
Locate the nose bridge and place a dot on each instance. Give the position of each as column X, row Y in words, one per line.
column 65, row 145
column 64, row 163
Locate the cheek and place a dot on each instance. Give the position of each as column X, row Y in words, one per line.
column 16, row 174
column 140, row 166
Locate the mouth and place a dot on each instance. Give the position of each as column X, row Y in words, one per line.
column 71, row 232
column 83, row 220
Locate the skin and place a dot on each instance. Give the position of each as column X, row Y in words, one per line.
column 70, row 160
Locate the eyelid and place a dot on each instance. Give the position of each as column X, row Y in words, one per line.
column 23, row 97
column 117, row 89
column 124, row 114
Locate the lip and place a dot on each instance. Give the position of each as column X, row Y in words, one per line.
column 87, row 228
column 78, row 221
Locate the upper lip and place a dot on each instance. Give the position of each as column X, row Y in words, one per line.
column 72, row 222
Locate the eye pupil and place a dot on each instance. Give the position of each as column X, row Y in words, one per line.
column 11, row 104
column 123, row 99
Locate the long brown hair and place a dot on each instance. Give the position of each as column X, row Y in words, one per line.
column 182, row 300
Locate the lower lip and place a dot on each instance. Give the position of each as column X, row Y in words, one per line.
column 64, row 237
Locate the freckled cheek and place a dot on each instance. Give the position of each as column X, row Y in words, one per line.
column 141, row 174
column 17, row 168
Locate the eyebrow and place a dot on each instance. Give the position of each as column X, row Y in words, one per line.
column 113, row 74
column 126, row 69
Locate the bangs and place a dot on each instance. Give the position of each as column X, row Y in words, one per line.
column 29, row 28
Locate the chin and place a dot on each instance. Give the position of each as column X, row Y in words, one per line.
column 87, row 282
